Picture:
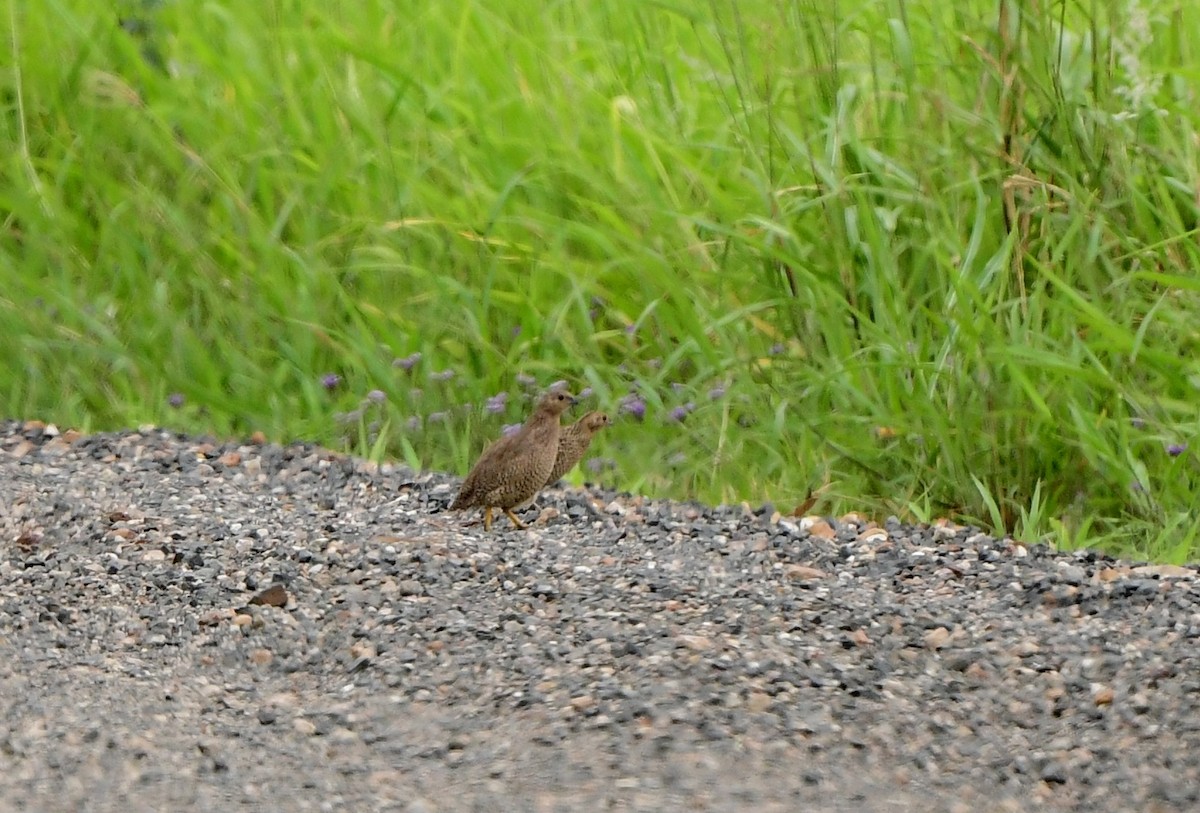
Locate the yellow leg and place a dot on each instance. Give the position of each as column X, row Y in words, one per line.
column 514, row 519
column 487, row 519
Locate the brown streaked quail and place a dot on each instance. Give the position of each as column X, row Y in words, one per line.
column 513, row 469
column 574, row 441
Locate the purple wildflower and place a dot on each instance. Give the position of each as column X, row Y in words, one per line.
column 497, row 403
column 631, row 329
column 716, row 393
column 330, row 381
column 516, row 331
column 526, row 380
column 408, row 362
column 633, row 405
column 175, row 399
column 1176, row 449
column 376, row 396
column 413, row 424
column 436, row 417
column 676, row 387
column 677, row 459
column 442, row 375
column 678, row 414
column 510, row 429
column 1137, row 423
column 776, row 349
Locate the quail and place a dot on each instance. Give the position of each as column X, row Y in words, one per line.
column 513, row 469
column 574, row 442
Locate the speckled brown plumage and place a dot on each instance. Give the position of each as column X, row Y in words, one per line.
column 574, row 441
column 513, row 469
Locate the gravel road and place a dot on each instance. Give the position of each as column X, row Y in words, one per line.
column 625, row 654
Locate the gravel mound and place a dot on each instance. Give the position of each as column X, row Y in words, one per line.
column 194, row 625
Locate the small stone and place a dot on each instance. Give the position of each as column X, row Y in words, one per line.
column 818, row 528
column 546, row 591
column 1025, row 648
column 214, row 617
column 946, row 529
column 1072, row 574
column 261, row 657
column 1102, row 695
column 759, row 701
column 1053, row 773
column 1165, row 571
column 343, row 735
column 273, row 596
column 937, row 638
column 959, row 661
column 803, row 573
column 242, row 620
column 583, row 702
column 977, row 671
column 872, row 535
column 696, row 643
column 304, row 727
column 154, row 556
column 411, row 587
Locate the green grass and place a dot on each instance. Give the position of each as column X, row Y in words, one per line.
column 934, row 259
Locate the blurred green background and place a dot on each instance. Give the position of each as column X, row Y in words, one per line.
column 912, row 258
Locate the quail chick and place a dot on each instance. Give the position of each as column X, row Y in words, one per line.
column 574, row 441
column 513, row 469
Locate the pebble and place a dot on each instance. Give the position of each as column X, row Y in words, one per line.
column 194, row 624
